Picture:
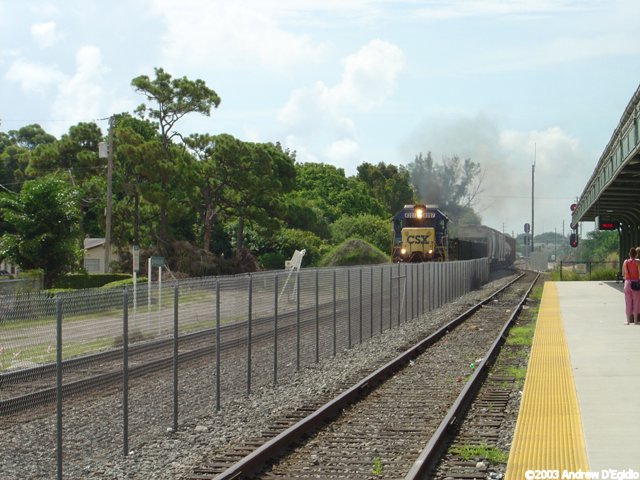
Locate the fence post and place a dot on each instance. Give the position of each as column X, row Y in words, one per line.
column 399, row 296
column 381, row 296
column 349, row 307
column 334, row 314
column 360, row 331
column 125, row 372
column 317, row 317
column 390, row 297
column 298, row 321
column 275, row 330
column 175, row 358
column 371, row 302
column 59, row 387
column 249, row 333
column 218, row 369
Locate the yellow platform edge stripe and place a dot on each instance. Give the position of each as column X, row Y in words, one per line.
column 548, row 434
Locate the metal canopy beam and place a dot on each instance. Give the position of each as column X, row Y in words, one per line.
column 614, row 188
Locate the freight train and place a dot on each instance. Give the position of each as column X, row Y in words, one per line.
column 419, row 234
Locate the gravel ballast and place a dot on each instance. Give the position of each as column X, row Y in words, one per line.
column 93, row 443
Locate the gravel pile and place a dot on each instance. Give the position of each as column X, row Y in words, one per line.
column 93, row 449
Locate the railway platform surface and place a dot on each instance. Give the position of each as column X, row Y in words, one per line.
column 580, row 410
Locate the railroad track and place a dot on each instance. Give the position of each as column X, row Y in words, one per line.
column 480, row 448
column 35, row 387
column 379, row 427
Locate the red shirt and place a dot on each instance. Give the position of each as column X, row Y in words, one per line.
column 631, row 270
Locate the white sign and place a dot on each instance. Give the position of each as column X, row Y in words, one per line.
column 136, row 258
column 103, row 150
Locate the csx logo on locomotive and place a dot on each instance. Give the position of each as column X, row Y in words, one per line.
column 418, row 239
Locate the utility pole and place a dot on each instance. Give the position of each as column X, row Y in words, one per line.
column 107, row 233
column 533, row 171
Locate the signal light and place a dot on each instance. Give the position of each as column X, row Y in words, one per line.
column 573, row 240
column 606, row 224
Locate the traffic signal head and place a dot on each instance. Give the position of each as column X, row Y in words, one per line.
column 573, row 240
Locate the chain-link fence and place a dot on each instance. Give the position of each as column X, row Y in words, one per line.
column 136, row 361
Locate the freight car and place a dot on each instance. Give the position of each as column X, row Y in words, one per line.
column 500, row 248
column 419, row 234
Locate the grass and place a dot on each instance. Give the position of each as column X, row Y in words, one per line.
column 46, row 353
column 484, row 452
column 598, row 274
column 377, row 466
column 522, row 336
column 518, row 373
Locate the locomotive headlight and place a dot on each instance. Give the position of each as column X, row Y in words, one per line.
column 430, row 252
column 419, row 213
column 403, row 251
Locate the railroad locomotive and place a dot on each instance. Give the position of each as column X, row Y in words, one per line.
column 419, row 234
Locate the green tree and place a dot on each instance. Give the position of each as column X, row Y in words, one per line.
column 452, row 185
column 42, row 227
column 16, row 149
column 172, row 99
column 332, row 192
column 304, row 214
column 373, row 229
column 600, row 246
column 30, row 136
column 137, row 148
column 217, row 169
column 241, row 180
column 75, row 154
column 388, row 184
column 268, row 173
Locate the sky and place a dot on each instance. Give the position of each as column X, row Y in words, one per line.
column 343, row 82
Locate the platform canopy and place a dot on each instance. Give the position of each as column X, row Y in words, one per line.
column 613, row 191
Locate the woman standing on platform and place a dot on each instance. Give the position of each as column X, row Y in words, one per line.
column 631, row 296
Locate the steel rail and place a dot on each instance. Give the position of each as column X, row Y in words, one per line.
column 430, row 455
column 271, row 449
column 48, row 395
column 27, row 374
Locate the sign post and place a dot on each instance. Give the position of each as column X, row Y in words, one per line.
column 135, row 255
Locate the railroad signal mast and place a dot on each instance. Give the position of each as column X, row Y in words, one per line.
column 573, row 238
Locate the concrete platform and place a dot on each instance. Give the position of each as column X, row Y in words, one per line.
column 582, row 391
column 605, row 358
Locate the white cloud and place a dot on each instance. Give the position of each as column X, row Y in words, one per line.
column 558, row 168
column 369, row 75
column 451, row 10
column 33, row 78
column 76, row 97
column 44, row 34
column 506, row 158
column 342, row 151
column 322, row 117
column 81, row 96
column 230, row 35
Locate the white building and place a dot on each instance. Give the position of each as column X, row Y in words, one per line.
column 94, row 255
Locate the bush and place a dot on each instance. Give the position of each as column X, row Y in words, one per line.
column 271, row 261
column 84, row 280
column 289, row 240
column 354, row 252
column 372, row 229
